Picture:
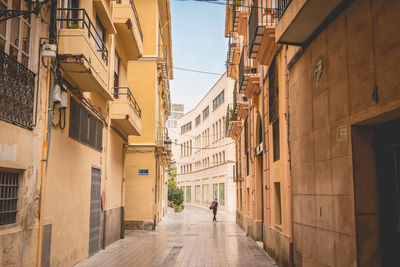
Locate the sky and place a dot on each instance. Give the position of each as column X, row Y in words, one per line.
column 198, row 43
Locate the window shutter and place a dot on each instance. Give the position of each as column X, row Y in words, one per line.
column 99, row 135
column 74, row 119
column 84, row 126
column 92, row 131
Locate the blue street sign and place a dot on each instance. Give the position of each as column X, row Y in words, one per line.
column 143, row 171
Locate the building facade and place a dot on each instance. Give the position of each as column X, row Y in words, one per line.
column 206, row 160
column 67, row 139
column 22, row 125
column 258, row 123
column 344, row 104
column 327, row 77
column 147, row 157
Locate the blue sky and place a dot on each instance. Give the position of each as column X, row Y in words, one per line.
column 198, row 43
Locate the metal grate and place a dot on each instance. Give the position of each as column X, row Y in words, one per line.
column 84, row 127
column 95, row 205
column 17, row 85
column 9, row 184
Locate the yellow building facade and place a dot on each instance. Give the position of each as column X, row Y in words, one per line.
column 146, row 156
column 259, row 125
column 66, row 152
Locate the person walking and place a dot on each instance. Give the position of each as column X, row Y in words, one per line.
column 214, row 207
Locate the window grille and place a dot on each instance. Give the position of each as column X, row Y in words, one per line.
column 85, row 127
column 9, row 185
column 273, row 93
column 276, row 143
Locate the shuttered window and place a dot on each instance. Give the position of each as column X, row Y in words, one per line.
column 9, row 185
column 84, row 127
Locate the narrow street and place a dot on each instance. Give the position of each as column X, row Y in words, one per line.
column 189, row 238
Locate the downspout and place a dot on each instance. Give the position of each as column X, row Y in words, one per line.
column 291, row 263
column 47, row 128
column 263, row 147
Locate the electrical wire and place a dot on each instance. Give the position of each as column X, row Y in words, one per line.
column 204, row 148
column 199, row 71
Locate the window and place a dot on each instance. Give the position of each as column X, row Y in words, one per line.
column 218, row 100
column 246, row 145
column 206, row 112
column 84, row 127
column 190, row 147
column 17, row 42
column 197, row 120
column 197, row 193
column 275, row 137
column 222, row 194
column 213, row 135
column 223, row 156
column 273, row 93
column 278, row 205
column 9, row 186
column 100, row 36
column 186, row 127
column 188, row 194
column 215, row 191
column 205, row 194
column 116, row 74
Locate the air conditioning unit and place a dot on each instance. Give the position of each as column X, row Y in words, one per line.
column 259, row 149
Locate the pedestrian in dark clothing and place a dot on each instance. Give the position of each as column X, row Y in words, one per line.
column 214, row 207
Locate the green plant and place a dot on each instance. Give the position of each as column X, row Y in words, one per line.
column 175, row 195
column 179, row 208
column 73, row 25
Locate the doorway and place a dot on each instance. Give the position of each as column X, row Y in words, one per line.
column 95, row 202
column 387, row 149
column 376, row 162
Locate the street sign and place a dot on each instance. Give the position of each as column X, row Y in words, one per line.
column 143, row 171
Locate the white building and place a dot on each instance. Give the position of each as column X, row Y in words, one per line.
column 206, row 158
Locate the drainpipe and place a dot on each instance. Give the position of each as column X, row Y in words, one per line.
column 291, row 263
column 263, row 146
column 47, row 128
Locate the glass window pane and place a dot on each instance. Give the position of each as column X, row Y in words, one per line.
column 3, row 24
column 26, row 36
column 13, row 52
column 16, row 4
column 14, row 31
column 25, row 60
column 2, row 44
column 222, row 194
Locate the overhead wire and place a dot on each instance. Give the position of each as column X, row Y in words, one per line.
column 199, row 71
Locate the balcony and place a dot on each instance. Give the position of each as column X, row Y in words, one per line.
column 125, row 112
column 299, row 19
column 231, row 120
column 262, row 24
column 237, row 7
column 126, row 21
column 82, row 53
column 17, row 84
column 249, row 79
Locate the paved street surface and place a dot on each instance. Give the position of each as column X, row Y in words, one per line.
column 189, row 238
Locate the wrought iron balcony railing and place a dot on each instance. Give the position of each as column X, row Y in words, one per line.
column 260, row 17
column 17, row 84
column 132, row 2
column 124, row 93
column 235, row 95
column 236, row 7
column 282, row 6
column 241, row 69
column 78, row 18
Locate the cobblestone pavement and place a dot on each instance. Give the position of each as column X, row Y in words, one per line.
column 189, row 238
